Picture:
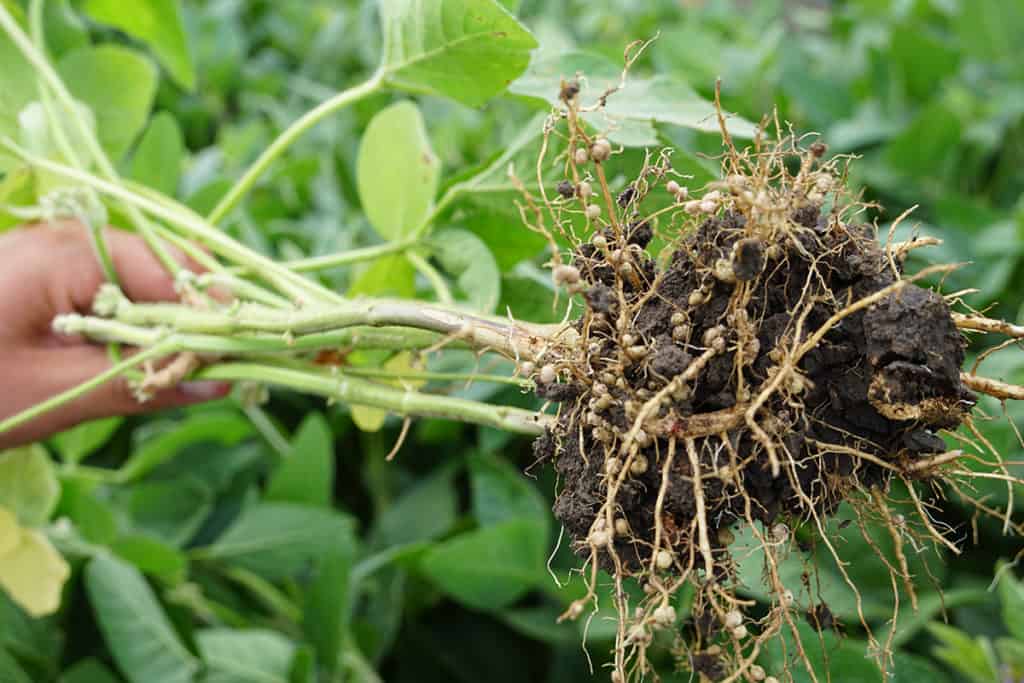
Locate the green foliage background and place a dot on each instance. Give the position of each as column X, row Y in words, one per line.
column 203, row 550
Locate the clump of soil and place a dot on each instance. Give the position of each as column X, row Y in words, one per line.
column 777, row 362
column 879, row 382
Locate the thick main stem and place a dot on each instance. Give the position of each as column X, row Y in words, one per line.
column 516, row 340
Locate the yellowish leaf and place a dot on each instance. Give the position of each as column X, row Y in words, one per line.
column 32, row 572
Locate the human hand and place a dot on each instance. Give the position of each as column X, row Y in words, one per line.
column 49, row 270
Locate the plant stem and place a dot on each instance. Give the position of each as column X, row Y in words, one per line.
column 388, row 338
column 441, row 376
column 517, row 340
column 349, row 257
column 353, row 390
column 436, row 280
column 289, row 136
column 84, row 388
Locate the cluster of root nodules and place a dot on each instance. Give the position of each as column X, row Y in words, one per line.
column 776, row 365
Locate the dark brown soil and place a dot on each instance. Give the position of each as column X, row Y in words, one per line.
column 880, row 382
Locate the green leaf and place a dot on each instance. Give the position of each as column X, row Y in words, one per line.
column 172, row 509
column 118, row 85
column 501, row 493
column 158, row 158
column 155, row 22
column 88, row 670
column 222, row 429
column 75, row 444
column 661, row 99
column 464, row 255
column 92, row 516
column 28, row 484
column 467, row 50
column 425, row 512
column 276, row 540
column 137, row 632
column 325, row 615
column 10, row 672
column 19, row 87
column 923, row 148
column 491, row 567
column 397, row 171
column 964, row 654
column 991, row 29
column 306, row 474
column 1011, row 598
column 250, row 656
column 387, row 276
column 153, row 557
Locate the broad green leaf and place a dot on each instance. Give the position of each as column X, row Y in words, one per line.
column 501, row 493
column 172, row 509
column 923, row 147
column 137, row 632
column 223, row 429
column 10, row 671
column 397, row 171
column 464, row 255
column 158, row 158
column 276, row 540
column 88, row 670
column 153, row 557
column 93, row 517
column 249, row 656
column 491, row 567
column 387, row 276
column 31, row 571
column 19, row 86
column 63, row 27
column 468, row 50
column 75, row 444
column 325, row 614
column 425, row 512
column 642, row 101
column 118, row 85
column 306, row 475
column 155, row 22
column 28, row 484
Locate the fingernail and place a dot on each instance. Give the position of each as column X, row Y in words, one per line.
column 204, row 390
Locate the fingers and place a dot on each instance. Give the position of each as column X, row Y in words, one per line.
column 38, row 375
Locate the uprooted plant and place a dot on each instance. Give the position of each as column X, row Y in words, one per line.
column 771, row 362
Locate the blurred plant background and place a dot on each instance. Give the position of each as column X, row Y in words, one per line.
column 206, row 544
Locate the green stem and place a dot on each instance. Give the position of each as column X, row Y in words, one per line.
column 84, row 388
column 440, row 376
column 386, row 338
column 436, row 280
column 345, row 258
column 352, row 390
column 518, row 340
column 289, row 136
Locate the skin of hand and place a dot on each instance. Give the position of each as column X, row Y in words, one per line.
column 52, row 269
